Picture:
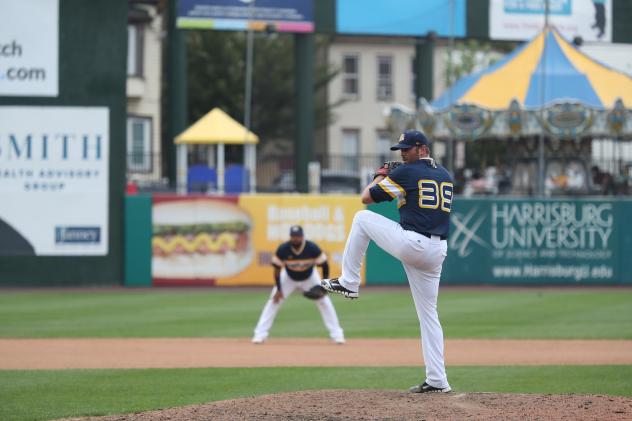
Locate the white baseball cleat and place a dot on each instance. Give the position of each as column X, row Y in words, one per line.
column 332, row 285
column 339, row 341
column 258, row 341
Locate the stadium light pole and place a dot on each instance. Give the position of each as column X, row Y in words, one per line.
column 541, row 169
column 451, row 141
column 249, row 151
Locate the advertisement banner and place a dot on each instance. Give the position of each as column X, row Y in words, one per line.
column 528, row 241
column 54, row 180
column 523, row 19
column 405, row 18
column 29, row 48
column 240, row 15
column 199, row 240
column 533, row 241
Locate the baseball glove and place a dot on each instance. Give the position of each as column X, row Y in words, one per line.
column 387, row 168
column 315, row 293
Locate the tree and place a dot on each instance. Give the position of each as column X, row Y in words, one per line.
column 216, row 78
column 471, row 56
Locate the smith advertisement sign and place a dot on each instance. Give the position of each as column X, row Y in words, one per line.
column 54, row 180
column 527, row 242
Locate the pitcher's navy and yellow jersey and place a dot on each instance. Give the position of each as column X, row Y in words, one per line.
column 424, row 196
column 300, row 262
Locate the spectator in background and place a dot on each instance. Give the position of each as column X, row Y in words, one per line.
column 478, row 183
column 603, row 181
column 504, row 180
column 575, row 178
column 459, row 180
column 491, row 180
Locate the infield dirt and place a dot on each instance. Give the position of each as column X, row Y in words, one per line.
column 340, row 404
column 396, row 405
column 26, row 354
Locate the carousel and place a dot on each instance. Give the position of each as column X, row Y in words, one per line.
column 544, row 104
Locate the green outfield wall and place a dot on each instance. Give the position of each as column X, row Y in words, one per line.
column 500, row 242
column 526, row 241
column 138, row 233
column 82, row 73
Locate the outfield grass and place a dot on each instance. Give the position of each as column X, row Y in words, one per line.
column 28, row 395
column 553, row 314
column 532, row 313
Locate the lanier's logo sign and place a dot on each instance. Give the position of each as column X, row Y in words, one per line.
column 77, row 235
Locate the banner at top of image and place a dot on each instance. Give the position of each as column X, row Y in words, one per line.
column 240, row 15
column 403, row 18
column 521, row 19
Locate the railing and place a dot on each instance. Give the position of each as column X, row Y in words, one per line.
column 349, row 174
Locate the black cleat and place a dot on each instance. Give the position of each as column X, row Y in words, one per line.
column 426, row 388
column 332, row 285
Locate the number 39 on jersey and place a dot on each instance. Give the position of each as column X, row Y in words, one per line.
column 433, row 195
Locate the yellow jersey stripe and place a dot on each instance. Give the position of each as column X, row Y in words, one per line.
column 392, row 188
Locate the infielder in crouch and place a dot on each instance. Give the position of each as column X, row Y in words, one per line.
column 294, row 268
column 423, row 191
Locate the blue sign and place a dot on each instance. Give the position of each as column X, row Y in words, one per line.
column 538, row 7
column 74, row 235
column 403, row 17
column 239, row 15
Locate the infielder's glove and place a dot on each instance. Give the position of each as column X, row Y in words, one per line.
column 387, row 168
column 315, row 293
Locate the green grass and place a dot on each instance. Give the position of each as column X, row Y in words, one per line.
column 532, row 313
column 39, row 395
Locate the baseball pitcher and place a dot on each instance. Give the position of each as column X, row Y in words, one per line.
column 423, row 190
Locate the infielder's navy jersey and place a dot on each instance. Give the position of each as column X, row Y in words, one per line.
column 300, row 262
column 424, row 196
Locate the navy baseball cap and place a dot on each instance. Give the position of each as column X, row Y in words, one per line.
column 296, row 230
column 410, row 138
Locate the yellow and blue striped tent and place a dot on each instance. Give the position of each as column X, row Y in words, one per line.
column 542, row 71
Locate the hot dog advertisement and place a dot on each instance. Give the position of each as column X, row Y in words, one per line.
column 205, row 240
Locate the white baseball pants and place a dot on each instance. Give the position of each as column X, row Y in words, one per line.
column 422, row 258
column 288, row 285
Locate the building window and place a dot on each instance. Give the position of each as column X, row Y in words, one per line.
column 134, row 50
column 351, row 147
column 383, row 144
column 384, row 78
column 139, row 151
column 350, row 76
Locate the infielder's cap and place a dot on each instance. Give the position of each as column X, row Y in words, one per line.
column 410, row 138
column 296, row 230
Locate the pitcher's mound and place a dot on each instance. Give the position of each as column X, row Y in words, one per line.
column 397, row 405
